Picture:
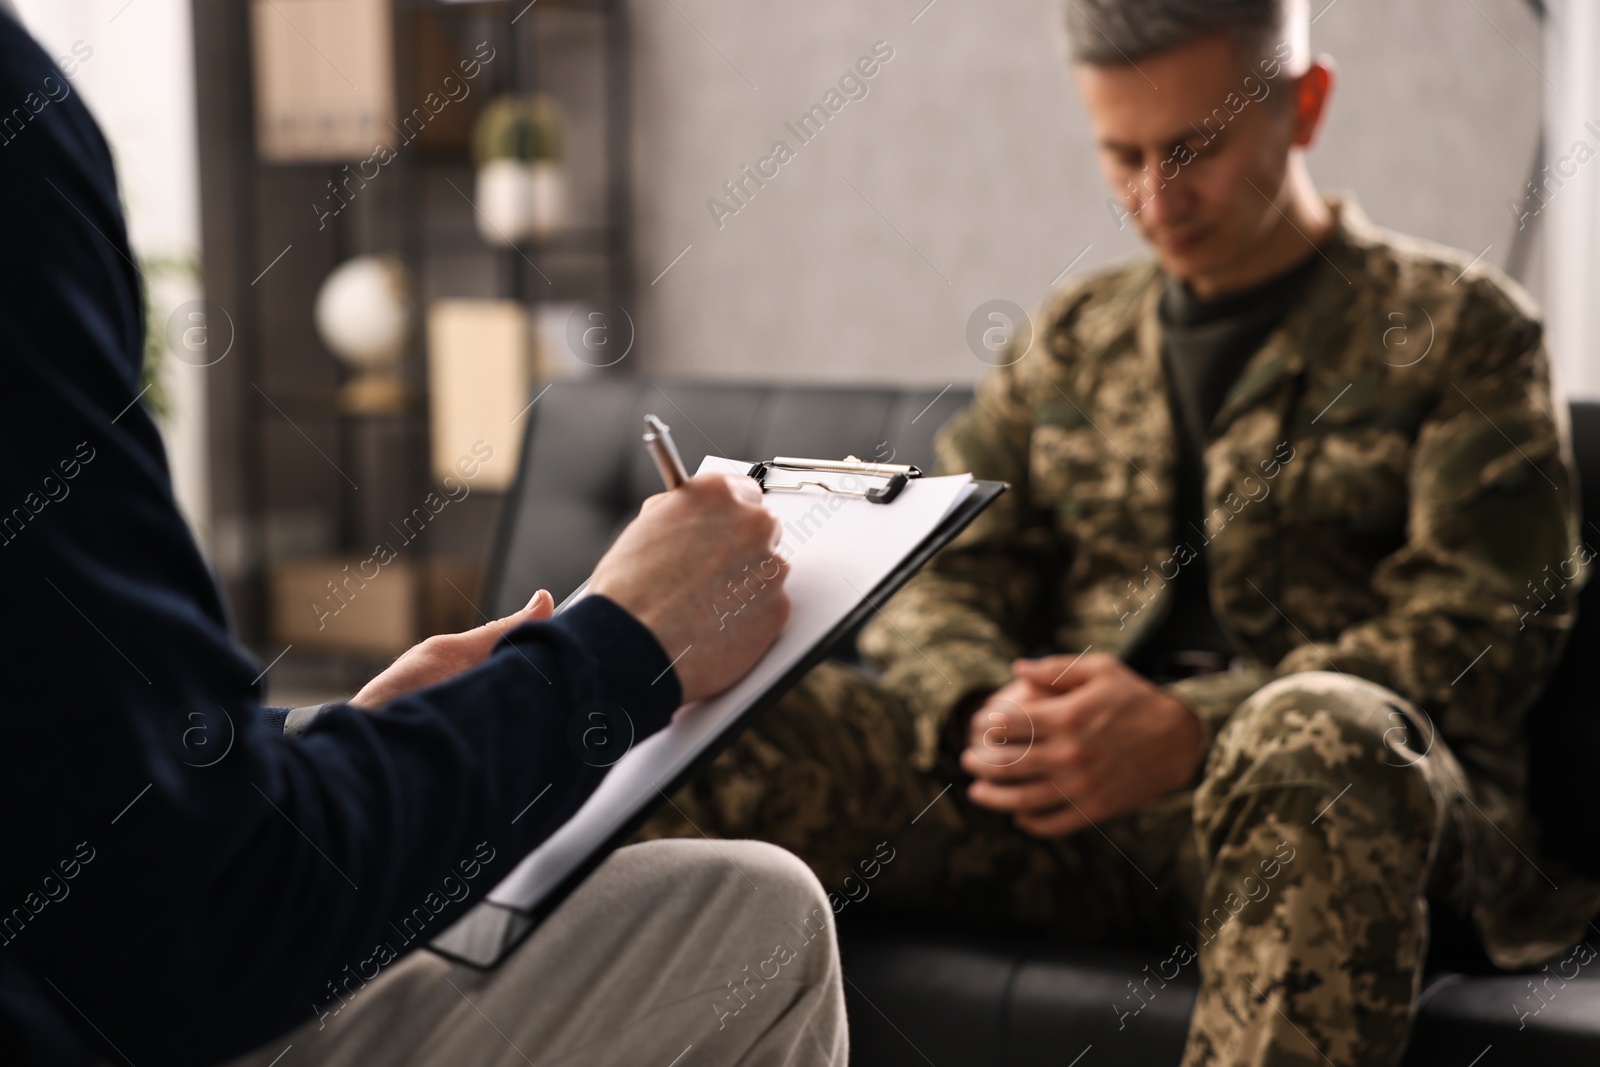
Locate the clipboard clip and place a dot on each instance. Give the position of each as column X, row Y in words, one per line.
column 899, row 474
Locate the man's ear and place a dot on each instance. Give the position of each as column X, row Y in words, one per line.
column 1312, row 93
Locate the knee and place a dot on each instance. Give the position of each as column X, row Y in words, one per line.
column 1326, row 731
column 788, row 887
column 715, row 861
column 791, row 903
column 777, row 871
column 1319, row 721
column 755, row 883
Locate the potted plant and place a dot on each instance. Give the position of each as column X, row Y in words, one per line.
column 521, row 181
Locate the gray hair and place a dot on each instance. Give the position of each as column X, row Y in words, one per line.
column 1116, row 32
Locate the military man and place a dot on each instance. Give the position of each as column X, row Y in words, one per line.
column 1278, row 500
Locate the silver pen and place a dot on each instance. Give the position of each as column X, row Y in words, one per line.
column 658, row 441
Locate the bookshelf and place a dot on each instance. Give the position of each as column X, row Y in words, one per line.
column 298, row 480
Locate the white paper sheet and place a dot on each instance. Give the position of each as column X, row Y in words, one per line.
column 838, row 550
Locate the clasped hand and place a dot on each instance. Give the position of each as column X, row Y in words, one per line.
column 1074, row 740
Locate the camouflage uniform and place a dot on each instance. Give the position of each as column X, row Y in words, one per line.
column 1388, row 501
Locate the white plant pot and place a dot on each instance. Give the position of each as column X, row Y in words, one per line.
column 520, row 201
column 505, row 202
column 547, row 198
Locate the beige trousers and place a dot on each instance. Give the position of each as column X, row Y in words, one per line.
column 671, row 954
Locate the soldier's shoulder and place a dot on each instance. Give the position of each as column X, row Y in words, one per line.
column 1412, row 270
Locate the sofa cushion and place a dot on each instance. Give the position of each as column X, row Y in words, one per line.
column 960, row 1000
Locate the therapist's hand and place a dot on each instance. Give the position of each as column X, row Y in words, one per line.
column 699, row 568
column 446, row 656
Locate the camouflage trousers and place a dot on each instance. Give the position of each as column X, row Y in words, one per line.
column 1296, row 875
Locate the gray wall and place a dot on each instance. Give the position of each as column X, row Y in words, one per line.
column 972, row 171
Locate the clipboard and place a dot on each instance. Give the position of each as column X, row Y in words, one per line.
column 493, row 928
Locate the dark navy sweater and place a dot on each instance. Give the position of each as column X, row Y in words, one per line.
column 180, row 882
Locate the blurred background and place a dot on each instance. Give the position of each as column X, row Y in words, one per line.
column 375, row 228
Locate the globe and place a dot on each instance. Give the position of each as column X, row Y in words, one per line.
column 363, row 312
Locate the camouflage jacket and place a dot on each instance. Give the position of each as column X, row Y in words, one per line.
column 1387, row 488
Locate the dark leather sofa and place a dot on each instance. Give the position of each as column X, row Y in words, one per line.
column 954, row 999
